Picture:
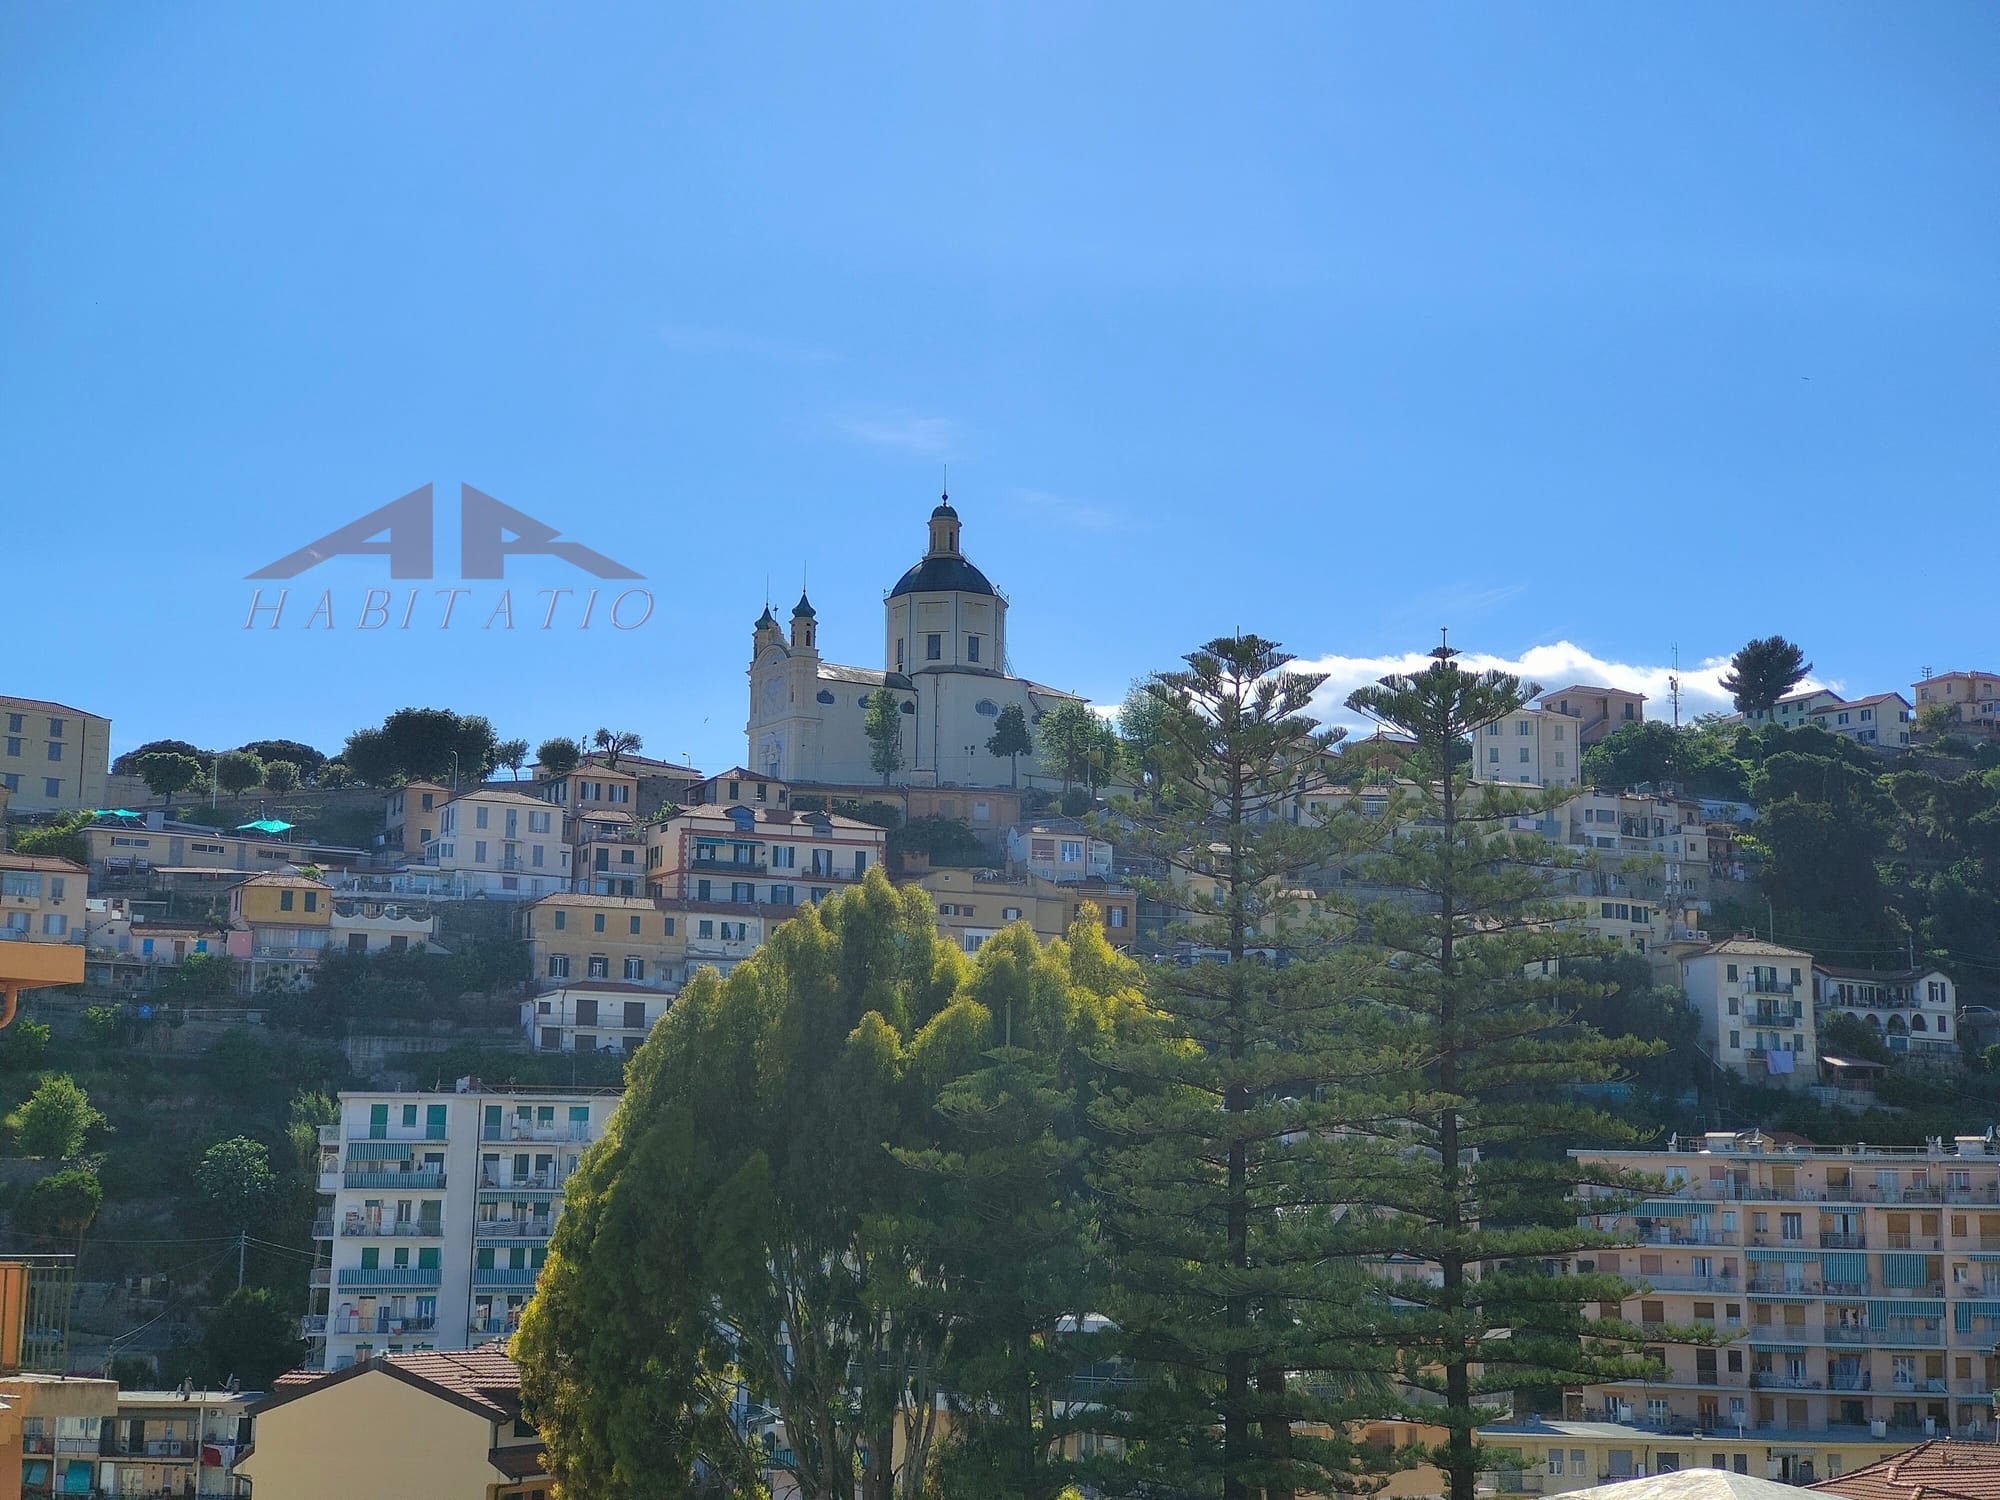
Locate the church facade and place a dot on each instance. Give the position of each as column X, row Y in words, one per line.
column 944, row 657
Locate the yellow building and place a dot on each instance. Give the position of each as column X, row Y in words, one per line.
column 43, row 899
column 279, row 926
column 428, row 1426
column 973, row 905
column 53, row 758
column 573, row 937
column 409, row 814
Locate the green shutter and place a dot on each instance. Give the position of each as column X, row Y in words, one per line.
column 1903, row 1269
column 434, row 1116
column 427, row 1260
column 371, row 1258
column 378, row 1121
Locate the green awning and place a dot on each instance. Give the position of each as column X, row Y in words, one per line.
column 1670, row 1208
column 1901, row 1268
column 113, row 812
column 1760, row 1252
column 1964, row 1312
column 379, row 1150
column 264, row 825
column 1844, row 1265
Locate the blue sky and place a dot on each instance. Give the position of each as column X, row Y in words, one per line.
column 1586, row 330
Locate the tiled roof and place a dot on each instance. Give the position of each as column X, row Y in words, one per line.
column 1753, row 948
column 578, row 898
column 1585, row 687
column 497, row 794
column 279, row 877
column 1878, row 974
column 1869, row 701
column 527, row 1461
column 603, row 987
column 41, row 862
column 43, row 705
column 739, row 773
column 1942, row 1469
column 481, row 1380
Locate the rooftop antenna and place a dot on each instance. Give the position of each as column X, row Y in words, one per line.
column 1674, row 685
column 1444, row 650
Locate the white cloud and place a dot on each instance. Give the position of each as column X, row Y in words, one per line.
column 1558, row 665
column 927, row 437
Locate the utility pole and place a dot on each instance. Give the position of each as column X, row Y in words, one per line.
column 242, row 1246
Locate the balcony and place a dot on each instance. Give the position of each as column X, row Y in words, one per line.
column 1897, row 1241
column 493, row 1327
column 392, row 1229
column 385, row 1322
column 1755, row 986
column 1849, row 1382
column 1764, row 1380
column 393, row 1276
column 521, row 1130
column 329, row 1135
column 1728, row 1285
column 710, row 866
column 1770, row 1020
column 1836, row 1240
column 534, row 1182
column 312, row 1325
column 521, row 1276
column 514, row 1229
column 320, row 1276
column 414, row 1182
column 323, row 1227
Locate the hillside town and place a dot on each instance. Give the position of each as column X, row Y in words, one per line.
column 444, row 951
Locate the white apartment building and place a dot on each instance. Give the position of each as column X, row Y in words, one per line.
column 593, row 1015
column 1793, row 711
column 1914, row 1011
column 1755, row 1003
column 1533, row 746
column 1881, row 720
column 438, row 1213
column 1064, row 852
column 501, row 844
column 767, row 855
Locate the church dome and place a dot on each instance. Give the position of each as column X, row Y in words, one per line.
column 944, row 573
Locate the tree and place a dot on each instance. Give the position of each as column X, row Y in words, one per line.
column 1763, row 672
column 300, row 754
column 1010, row 739
column 281, row 775
column 23, row 1043
column 128, row 763
column 167, row 774
column 250, row 1337
column 558, row 757
column 1075, row 744
column 199, row 977
column 722, row 1241
column 61, row 1206
column 1471, row 1181
column 1937, row 718
column 336, row 774
column 883, row 724
column 369, row 757
column 1633, row 755
column 1141, row 732
column 62, row 838
column 616, row 742
column 54, row 1122
column 1228, row 1123
column 513, row 754
column 235, row 1179
column 236, row 772
column 103, row 1024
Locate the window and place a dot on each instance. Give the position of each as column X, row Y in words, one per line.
column 312, row 900
column 707, row 928
column 54, row 924
column 986, row 707
column 558, row 966
column 479, row 848
column 600, row 966
column 933, row 648
column 1493, row 756
column 51, row 786
column 635, row 968
column 55, row 749
column 670, row 926
column 597, row 921
column 538, row 822
column 1524, row 755
column 285, row 900
column 14, row 723
column 972, row 648
column 562, row 920
column 14, row 746
column 1115, row 916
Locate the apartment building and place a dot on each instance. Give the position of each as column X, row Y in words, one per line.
column 1755, row 1003
column 1600, row 711
column 1914, row 1011
column 593, row 1015
column 1533, row 746
column 591, row 786
column 1881, row 721
column 759, row 855
column 609, row 856
column 443, row 1426
column 1062, row 850
column 750, row 788
column 279, row 925
column 1972, row 697
column 1854, row 1291
column 504, row 845
column 1792, row 711
column 43, row 899
column 53, row 758
column 438, row 1213
column 973, row 905
column 409, row 814
column 575, row 936
column 178, row 1443
column 153, row 847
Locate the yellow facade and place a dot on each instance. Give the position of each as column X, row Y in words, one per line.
column 973, row 905
column 53, row 758
column 376, row 1434
column 42, row 899
column 281, row 901
column 574, row 936
column 128, row 843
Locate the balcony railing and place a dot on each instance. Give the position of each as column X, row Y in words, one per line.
column 1899, row 1241
column 1838, row 1240
column 415, row 1182
column 320, row 1276
column 417, row 1229
column 312, row 1325
column 514, row 1229
column 385, row 1322
column 517, row 1130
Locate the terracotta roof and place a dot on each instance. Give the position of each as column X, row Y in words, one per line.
column 527, row 1461
column 481, row 1380
column 279, row 877
column 1585, row 687
column 1870, row 700
column 1753, row 948
column 604, row 987
column 498, row 794
column 44, row 704
column 578, row 898
column 740, row 773
column 768, row 815
column 41, row 862
column 1881, row 974
column 1942, row 1469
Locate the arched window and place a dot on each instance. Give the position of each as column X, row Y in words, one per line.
column 987, row 707
column 1917, row 1023
column 862, row 701
column 909, row 705
column 824, row 696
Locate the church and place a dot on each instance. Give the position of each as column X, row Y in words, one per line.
column 944, row 657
